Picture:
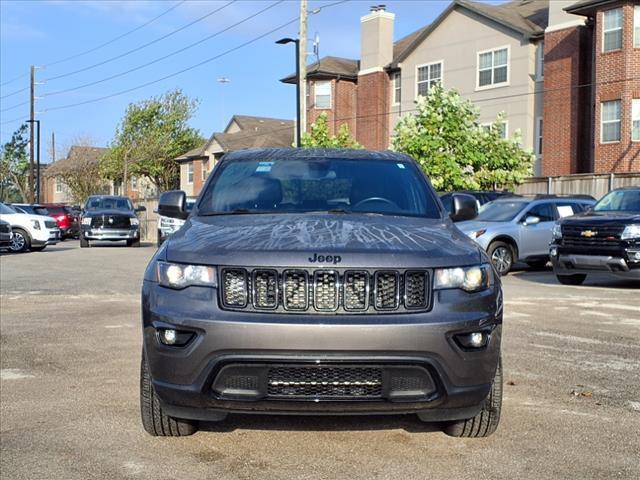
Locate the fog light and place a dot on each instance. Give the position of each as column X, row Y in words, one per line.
column 472, row 340
column 634, row 256
column 553, row 252
column 175, row 338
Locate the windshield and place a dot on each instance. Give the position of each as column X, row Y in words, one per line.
column 319, row 185
column 6, row 210
column 619, row 201
column 501, row 211
column 108, row 203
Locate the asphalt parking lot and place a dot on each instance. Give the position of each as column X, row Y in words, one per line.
column 70, row 355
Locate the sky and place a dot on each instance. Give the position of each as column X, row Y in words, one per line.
column 75, row 42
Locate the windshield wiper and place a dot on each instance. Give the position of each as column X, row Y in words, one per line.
column 235, row 211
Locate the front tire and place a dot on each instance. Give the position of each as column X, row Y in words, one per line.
column 502, row 257
column 577, row 279
column 133, row 243
column 154, row 420
column 486, row 422
column 537, row 264
column 21, row 241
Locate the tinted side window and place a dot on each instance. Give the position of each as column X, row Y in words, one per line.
column 544, row 211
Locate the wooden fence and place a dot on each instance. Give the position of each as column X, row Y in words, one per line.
column 595, row 185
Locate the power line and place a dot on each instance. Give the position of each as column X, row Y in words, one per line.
column 164, row 57
column 14, row 106
column 17, row 91
column 109, row 42
column 84, row 69
column 199, row 64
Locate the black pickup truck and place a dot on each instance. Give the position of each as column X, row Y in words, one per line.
column 603, row 239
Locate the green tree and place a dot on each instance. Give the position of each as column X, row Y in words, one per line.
column 319, row 136
column 14, row 167
column 151, row 134
column 444, row 136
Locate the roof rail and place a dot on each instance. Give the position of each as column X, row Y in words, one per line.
column 541, row 196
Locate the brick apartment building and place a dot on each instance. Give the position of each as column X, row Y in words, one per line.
column 573, row 95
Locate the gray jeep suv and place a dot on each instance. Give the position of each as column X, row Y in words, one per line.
column 320, row 282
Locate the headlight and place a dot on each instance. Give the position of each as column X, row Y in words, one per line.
column 469, row 279
column 134, row 221
column 178, row 276
column 35, row 224
column 86, row 220
column 477, row 233
column 557, row 231
column 630, row 231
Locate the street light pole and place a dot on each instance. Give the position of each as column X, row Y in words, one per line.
column 284, row 41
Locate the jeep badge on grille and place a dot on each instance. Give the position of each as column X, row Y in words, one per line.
column 335, row 259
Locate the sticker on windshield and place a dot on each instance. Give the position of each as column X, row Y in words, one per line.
column 264, row 167
column 401, row 166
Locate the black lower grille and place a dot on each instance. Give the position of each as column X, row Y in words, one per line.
column 5, row 228
column 325, row 382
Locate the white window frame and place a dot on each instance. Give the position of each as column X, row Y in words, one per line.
column 602, row 122
column 636, row 26
column 612, row 30
column 397, row 87
column 429, row 80
column 59, row 188
column 315, row 94
column 539, row 138
column 539, row 62
column 134, row 183
column 487, row 125
column 203, row 170
column 635, row 117
column 492, row 51
column 190, row 172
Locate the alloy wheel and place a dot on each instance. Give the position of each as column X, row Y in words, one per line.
column 17, row 242
column 501, row 259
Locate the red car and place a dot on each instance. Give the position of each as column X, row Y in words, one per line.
column 67, row 221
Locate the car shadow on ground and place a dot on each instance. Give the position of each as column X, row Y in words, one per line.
column 118, row 244
column 547, row 277
column 321, row 423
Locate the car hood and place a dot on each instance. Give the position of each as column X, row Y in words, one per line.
column 294, row 240
column 602, row 218
column 108, row 211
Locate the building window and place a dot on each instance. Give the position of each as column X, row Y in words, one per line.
column 539, row 137
column 635, row 120
column 134, row 184
column 636, row 26
column 204, row 164
column 610, row 121
column 322, row 92
column 493, row 67
column 397, row 88
column 190, row 172
column 502, row 126
column 59, row 187
column 540, row 61
column 428, row 76
column 612, row 30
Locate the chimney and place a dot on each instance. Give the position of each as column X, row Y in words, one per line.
column 376, row 43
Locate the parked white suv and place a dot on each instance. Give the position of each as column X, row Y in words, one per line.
column 30, row 232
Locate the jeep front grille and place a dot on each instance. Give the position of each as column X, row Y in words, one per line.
column 325, row 290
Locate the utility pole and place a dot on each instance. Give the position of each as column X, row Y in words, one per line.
column 302, row 67
column 32, row 116
column 53, row 147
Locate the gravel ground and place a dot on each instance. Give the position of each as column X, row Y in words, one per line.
column 70, row 352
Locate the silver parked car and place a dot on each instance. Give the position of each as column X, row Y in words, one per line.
column 519, row 228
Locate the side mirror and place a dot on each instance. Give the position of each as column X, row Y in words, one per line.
column 173, row 204
column 141, row 208
column 531, row 220
column 463, row 207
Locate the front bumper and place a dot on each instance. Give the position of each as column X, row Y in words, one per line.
column 110, row 234
column 571, row 264
column 45, row 237
column 185, row 377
